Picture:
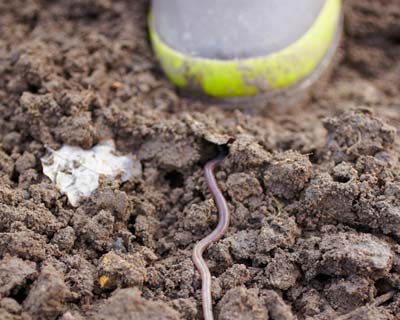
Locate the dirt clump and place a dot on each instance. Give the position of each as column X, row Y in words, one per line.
column 128, row 304
column 241, row 303
column 48, row 295
column 65, row 238
column 368, row 313
column 346, row 294
column 357, row 133
column 121, row 270
column 15, row 273
column 24, row 244
column 287, row 174
column 344, row 254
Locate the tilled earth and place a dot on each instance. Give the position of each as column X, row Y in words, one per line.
column 314, row 192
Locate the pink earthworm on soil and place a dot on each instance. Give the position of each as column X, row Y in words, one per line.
column 200, row 247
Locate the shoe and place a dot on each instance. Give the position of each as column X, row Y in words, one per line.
column 235, row 48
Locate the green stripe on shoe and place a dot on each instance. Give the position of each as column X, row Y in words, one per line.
column 252, row 76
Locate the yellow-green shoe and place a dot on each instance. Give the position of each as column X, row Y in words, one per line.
column 235, row 48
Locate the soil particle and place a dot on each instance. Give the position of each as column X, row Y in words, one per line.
column 80, row 277
column 234, row 276
column 116, row 201
column 4, row 314
column 45, row 193
column 33, row 67
column 277, row 232
column 344, row 295
column 10, row 305
column 40, row 111
column 97, row 231
column 127, row 304
column 77, row 131
column 368, row 313
column 366, row 22
column 170, row 147
column 28, row 178
column 277, row 308
column 280, row 273
column 199, row 217
column 6, row 164
column 357, row 133
column 242, row 304
column 344, row 172
column 186, row 307
column 361, row 59
column 8, row 315
column 25, row 162
column 39, row 219
column 312, row 305
column 8, row 215
column 25, row 244
column 65, row 238
column 9, row 197
column 245, row 153
column 89, row 9
column 174, row 276
column 242, row 185
column 344, row 254
column 10, row 309
column 287, row 174
column 47, row 297
column 352, row 197
column 11, row 142
column 220, row 253
column 145, row 229
column 14, row 274
column 121, row 270
column 244, row 244
column 241, row 214
column 71, row 316
column 327, row 201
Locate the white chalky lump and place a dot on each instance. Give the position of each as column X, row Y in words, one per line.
column 76, row 171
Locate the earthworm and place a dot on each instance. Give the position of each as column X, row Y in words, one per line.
column 200, row 247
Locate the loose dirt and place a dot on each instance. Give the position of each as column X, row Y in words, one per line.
column 314, row 193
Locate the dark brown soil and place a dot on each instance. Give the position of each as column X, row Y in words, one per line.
column 314, row 193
